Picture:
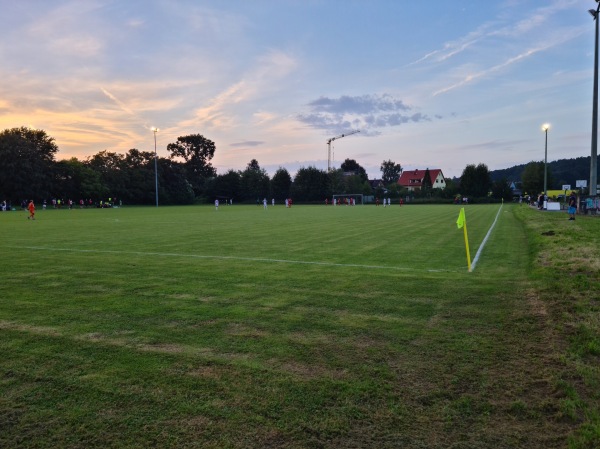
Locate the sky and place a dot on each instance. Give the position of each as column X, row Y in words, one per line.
column 435, row 84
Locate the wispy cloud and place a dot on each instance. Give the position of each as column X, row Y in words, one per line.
column 262, row 78
column 495, row 29
column 117, row 101
column 455, row 47
column 549, row 43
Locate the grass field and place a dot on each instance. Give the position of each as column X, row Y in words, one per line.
column 308, row 327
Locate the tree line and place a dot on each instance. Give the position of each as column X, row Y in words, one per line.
column 29, row 170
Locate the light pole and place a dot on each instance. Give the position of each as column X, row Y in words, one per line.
column 545, row 128
column 593, row 159
column 155, row 130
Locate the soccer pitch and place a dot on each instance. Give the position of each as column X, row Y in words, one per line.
column 309, row 326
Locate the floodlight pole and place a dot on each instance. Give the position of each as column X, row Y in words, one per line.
column 155, row 130
column 545, row 127
column 594, row 155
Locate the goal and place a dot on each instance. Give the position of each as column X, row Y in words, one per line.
column 344, row 198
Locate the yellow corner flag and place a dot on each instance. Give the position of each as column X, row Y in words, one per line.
column 461, row 218
column 461, row 222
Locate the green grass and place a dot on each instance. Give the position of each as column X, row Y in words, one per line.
column 309, row 327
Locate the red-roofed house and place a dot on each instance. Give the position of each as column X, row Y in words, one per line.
column 413, row 179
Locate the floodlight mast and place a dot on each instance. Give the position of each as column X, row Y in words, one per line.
column 329, row 146
column 594, row 153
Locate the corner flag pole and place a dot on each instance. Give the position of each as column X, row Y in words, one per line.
column 461, row 222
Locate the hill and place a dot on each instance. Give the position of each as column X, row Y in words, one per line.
column 562, row 171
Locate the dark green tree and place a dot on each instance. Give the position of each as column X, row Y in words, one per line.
column 196, row 151
column 351, row 166
column 76, row 180
column 138, row 170
column 26, row 163
column 254, row 182
column 426, row 184
column 353, row 184
column 310, row 184
column 335, row 182
column 173, row 186
column 501, row 190
column 227, row 186
column 390, row 172
column 113, row 174
column 475, row 181
column 532, row 178
column 281, row 184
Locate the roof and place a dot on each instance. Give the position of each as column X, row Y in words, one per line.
column 414, row 178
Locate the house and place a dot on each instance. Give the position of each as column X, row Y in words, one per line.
column 377, row 184
column 413, row 179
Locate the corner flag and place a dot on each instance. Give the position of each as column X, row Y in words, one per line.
column 461, row 222
column 461, row 218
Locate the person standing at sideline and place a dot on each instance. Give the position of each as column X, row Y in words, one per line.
column 273, row 202
column 217, row 204
column 31, row 208
column 265, row 203
column 572, row 206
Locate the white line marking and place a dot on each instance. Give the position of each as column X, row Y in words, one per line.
column 485, row 240
column 249, row 259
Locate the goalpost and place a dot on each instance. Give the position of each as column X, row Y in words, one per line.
column 343, row 197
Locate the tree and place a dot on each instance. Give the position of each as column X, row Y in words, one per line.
column 173, row 186
column 533, row 178
column 138, row 171
column 351, row 166
column 254, row 181
column 227, row 185
column 390, row 172
column 26, row 163
column 196, row 151
column 353, row 184
column 76, row 180
column 335, row 181
column 310, row 184
column 475, row 181
column 112, row 170
column 281, row 184
column 501, row 190
column 426, row 185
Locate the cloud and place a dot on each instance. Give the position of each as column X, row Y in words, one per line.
column 535, row 20
column 358, row 105
column 455, row 47
column 565, row 36
column 248, row 143
column 366, row 112
column 260, row 81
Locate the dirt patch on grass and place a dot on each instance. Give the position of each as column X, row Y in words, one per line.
column 241, row 330
column 28, row 328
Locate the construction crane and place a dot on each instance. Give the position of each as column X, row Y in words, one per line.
column 329, row 146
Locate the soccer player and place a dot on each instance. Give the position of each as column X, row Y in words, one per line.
column 31, row 208
column 217, row 204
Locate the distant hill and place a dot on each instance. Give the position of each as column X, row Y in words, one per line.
column 563, row 171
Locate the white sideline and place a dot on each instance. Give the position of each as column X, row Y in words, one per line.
column 250, row 259
column 476, row 258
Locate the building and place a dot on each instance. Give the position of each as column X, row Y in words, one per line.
column 413, row 179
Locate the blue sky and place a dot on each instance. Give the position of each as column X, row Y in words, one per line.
column 436, row 84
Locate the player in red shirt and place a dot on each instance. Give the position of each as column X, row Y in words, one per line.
column 31, row 208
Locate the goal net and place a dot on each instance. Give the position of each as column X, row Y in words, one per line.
column 348, row 199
